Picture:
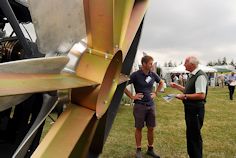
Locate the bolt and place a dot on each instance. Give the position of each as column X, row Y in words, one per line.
column 106, row 55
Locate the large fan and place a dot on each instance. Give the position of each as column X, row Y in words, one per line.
column 111, row 29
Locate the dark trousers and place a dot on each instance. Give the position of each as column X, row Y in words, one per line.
column 231, row 92
column 194, row 117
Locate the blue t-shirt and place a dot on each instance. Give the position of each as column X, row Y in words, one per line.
column 144, row 84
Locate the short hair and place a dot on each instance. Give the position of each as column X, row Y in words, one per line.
column 193, row 60
column 146, row 59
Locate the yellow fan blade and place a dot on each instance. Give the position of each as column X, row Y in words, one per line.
column 122, row 13
column 137, row 15
column 65, row 134
column 99, row 24
column 18, row 83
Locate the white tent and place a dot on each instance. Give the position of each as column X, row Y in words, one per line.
column 224, row 68
column 181, row 69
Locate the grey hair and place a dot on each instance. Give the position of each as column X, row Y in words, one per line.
column 193, row 60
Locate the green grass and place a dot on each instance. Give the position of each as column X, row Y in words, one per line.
column 219, row 129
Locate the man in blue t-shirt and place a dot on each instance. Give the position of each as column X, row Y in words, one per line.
column 144, row 110
column 231, row 86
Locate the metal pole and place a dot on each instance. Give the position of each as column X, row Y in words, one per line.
column 7, row 10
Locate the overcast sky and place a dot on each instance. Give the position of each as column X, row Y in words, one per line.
column 176, row 29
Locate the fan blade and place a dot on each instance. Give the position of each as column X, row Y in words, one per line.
column 99, row 24
column 58, row 24
column 49, row 103
column 9, row 101
column 67, row 129
column 35, row 65
column 138, row 12
column 16, row 83
column 122, row 13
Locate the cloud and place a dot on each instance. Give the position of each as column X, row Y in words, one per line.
column 204, row 28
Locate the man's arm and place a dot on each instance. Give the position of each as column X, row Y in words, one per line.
column 177, row 86
column 200, row 86
column 161, row 83
column 137, row 96
column 195, row 96
column 158, row 89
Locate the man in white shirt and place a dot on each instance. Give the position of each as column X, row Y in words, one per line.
column 194, row 98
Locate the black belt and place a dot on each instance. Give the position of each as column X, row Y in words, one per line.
column 144, row 104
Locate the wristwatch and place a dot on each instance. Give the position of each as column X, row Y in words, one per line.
column 185, row 97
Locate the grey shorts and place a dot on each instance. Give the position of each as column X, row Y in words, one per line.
column 144, row 114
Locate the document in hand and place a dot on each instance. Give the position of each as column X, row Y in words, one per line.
column 169, row 97
column 233, row 83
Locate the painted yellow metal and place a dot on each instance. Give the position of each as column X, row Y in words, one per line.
column 138, row 12
column 99, row 24
column 85, row 96
column 109, row 84
column 92, row 66
column 83, row 145
column 122, row 13
column 123, row 78
column 111, row 26
column 100, row 53
column 65, row 133
column 18, row 83
column 102, row 70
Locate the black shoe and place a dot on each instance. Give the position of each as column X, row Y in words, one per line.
column 138, row 154
column 152, row 153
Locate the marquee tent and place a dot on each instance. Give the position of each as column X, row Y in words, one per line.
column 181, row 69
column 224, row 68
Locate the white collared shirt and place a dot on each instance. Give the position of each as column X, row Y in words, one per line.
column 201, row 82
column 231, row 78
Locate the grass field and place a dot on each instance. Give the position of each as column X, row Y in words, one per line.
column 219, row 129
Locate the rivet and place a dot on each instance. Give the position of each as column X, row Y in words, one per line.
column 90, row 51
column 106, row 55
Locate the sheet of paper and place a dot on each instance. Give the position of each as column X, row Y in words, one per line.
column 169, row 97
column 233, row 83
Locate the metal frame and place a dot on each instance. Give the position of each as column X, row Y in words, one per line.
column 7, row 10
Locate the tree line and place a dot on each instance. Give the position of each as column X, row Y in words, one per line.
column 219, row 61
column 222, row 61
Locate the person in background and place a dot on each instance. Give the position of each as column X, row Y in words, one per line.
column 176, row 79
column 221, row 80
column 185, row 77
column 181, row 79
column 231, row 79
column 144, row 109
column 194, row 99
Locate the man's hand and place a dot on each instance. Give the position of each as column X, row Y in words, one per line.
column 153, row 95
column 173, row 85
column 177, row 86
column 180, row 96
column 138, row 96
